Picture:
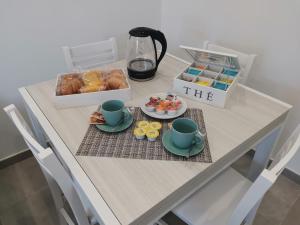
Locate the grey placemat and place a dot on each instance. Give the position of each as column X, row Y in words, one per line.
column 125, row 145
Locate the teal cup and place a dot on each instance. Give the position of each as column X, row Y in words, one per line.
column 185, row 133
column 112, row 112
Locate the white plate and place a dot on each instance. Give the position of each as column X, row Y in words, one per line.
column 164, row 116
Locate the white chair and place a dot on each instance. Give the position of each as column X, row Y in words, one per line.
column 246, row 60
column 92, row 55
column 231, row 199
column 57, row 178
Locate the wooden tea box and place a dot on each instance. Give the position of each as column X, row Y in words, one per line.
column 211, row 77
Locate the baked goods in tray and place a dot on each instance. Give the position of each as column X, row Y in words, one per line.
column 91, row 81
column 70, row 84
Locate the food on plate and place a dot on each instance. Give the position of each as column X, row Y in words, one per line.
column 170, row 104
column 139, row 133
column 160, row 109
column 152, row 134
column 91, row 81
column 170, row 97
column 172, row 109
column 97, row 118
column 150, row 107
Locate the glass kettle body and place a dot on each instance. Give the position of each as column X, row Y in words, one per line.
column 142, row 59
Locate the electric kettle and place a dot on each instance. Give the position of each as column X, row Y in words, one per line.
column 142, row 58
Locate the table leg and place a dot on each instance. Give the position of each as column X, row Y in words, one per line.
column 262, row 154
column 260, row 161
column 37, row 129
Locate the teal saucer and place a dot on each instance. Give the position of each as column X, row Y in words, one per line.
column 168, row 144
column 127, row 121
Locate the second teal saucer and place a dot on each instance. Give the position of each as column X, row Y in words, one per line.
column 170, row 147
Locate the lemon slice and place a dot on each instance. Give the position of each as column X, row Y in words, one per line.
column 155, row 125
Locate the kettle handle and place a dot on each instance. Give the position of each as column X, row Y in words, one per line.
column 160, row 37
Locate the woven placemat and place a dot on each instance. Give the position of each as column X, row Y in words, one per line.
column 125, row 145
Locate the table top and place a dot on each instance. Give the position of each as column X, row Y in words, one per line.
column 137, row 190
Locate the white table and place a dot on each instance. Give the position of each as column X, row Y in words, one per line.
column 131, row 191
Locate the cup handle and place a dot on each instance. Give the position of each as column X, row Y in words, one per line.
column 199, row 136
column 125, row 116
column 129, row 109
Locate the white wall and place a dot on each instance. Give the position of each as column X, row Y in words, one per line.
column 33, row 31
column 268, row 28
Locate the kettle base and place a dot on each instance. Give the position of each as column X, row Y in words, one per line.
column 140, row 80
column 141, row 75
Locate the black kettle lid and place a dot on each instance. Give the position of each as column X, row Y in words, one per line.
column 141, row 31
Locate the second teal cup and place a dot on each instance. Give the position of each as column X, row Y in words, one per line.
column 185, row 133
column 112, row 111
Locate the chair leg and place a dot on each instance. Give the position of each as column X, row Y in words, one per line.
column 251, row 216
column 66, row 216
column 56, row 196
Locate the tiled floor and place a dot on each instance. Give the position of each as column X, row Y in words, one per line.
column 25, row 198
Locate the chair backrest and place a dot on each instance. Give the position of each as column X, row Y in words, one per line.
column 245, row 60
column 91, row 55
column 266, row 179
column 50, row 165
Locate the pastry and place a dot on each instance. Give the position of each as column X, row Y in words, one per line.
column 89, row 88
column 97, row 118
column 93, row 81
column 66, row 89
column 117, row 73
column 76, row 84
column 70, row 84
column 115, row 83
column 92, row 77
